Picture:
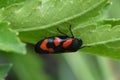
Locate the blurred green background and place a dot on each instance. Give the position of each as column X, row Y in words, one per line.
column 77, row 66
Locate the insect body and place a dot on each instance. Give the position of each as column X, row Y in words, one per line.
column 58, row 44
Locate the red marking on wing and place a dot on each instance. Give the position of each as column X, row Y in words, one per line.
column 57, row 41
column 43, row 46
column 67, row 43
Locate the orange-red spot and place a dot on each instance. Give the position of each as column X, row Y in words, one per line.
column 43, row 46
column 57, row 41
column 67, row 43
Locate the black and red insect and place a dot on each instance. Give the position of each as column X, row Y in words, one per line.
column 59, row 44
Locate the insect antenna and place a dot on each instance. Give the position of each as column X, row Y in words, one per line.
column 66, row 34
column 71, row 31
column 61, row 32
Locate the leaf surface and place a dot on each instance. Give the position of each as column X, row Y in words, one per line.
column 9, row 41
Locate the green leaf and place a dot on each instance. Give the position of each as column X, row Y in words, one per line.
column 9, row 41
column 112, row 22
column 110, row 49
column 36, row 14
column 85, row 17
column 5, row 3
column 103, row 38
column 4, row 68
